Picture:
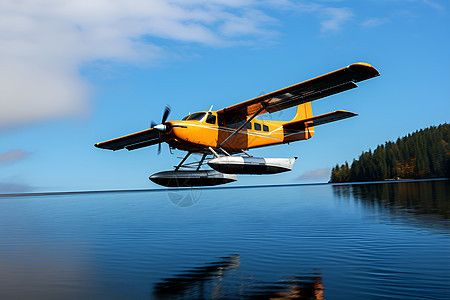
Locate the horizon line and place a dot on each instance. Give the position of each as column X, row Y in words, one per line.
column 31, row 194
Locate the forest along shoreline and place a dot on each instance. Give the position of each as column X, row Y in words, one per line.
column 423, row 154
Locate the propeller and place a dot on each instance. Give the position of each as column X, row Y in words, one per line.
column 161, row 128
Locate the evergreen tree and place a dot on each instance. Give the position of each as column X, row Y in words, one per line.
column 422, row 154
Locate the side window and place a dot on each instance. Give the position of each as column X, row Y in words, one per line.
column 247, row 126
column 220, row 120
column 231, row 125
column 211, row 119
column 266, row 128
column 258, row 126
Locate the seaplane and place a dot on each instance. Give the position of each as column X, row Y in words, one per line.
column 221, row 139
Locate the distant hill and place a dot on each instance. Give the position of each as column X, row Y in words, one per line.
column 422, row 154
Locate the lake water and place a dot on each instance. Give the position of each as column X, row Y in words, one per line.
column 360, row 241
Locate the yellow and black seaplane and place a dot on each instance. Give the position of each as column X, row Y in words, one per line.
column 223, row 137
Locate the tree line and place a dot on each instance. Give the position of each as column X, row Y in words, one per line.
column 422, row 154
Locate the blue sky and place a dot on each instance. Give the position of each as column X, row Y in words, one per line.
column 78, row 72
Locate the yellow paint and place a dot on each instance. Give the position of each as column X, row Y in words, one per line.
column 193, row 135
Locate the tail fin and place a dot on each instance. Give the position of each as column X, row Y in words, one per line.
column 304, row 111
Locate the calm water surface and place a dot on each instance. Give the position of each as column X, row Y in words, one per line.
column 362, row 241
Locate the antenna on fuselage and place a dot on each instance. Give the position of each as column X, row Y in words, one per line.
column 210, row 109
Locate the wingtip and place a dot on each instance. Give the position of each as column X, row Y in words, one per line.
column 364, row 69
column 98, row 145
column 348, row 114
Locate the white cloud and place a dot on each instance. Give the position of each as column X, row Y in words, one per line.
column 33, row 91
column 434, row 5
column 316, row 174
column 15, row 187
column 334, row 18
column 43, row 43
column 331, row 18
column 13, row 156
column 251, row 22
column 374, row 22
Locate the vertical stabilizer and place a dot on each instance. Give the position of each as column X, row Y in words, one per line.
column 303, row 130
column 304, row 111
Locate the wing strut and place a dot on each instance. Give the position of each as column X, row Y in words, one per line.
column 201, row 161
column 213, row 152
column 182, row 161
column 242, row 126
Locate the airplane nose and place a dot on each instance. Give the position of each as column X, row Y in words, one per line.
column 160, row 127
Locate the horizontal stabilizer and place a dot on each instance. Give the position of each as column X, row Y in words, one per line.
column 319, row 120
column 133, row 141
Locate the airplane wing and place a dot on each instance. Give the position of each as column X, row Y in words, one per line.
column 319, row 120
column 307, row 91
column 133, row 141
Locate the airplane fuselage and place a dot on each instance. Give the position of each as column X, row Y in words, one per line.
column 197, row 135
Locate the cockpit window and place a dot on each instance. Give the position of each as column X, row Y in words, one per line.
column 196, row 116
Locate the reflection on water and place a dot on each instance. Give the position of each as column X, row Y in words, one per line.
column 211, row 282
column 354, row 241
column 191, row 283
column 184, row 197
column 425, row 201
column 296, row 287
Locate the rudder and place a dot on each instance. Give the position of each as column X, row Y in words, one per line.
column 304, row 111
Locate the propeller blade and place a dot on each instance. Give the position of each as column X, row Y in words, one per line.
column 161, row 127
column 159, row 144
column 159, row 148
column 167, row 110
